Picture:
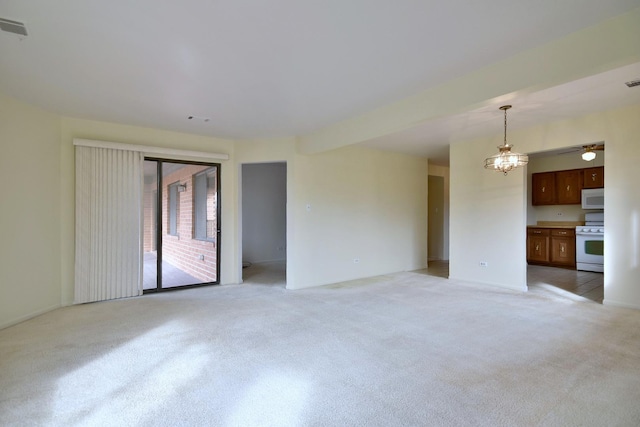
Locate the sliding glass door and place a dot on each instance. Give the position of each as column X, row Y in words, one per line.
column 181, row 224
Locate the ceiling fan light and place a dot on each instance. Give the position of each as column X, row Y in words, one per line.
column 588, row 156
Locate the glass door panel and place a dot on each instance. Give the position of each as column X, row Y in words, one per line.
column 187, row 252
column 150, row 226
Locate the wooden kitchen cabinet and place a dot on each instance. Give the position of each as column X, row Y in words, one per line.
column 551, row 246
column 538, row 246
column 543, row 188
column 593, row 177
column 563, row 248
column 564, row 187
column 569, row 187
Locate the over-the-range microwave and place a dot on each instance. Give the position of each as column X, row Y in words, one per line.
column 593, row 198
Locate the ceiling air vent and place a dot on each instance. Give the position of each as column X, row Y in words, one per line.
column 633, row 83
column 13, row 27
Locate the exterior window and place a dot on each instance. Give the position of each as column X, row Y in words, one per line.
column 205, row 207
column 174, row 208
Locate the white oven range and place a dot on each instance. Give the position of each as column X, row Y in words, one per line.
column 590, row 243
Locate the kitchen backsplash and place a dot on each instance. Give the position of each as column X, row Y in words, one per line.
column 555, row 213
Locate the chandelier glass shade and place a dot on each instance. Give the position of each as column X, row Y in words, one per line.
column 505, row 160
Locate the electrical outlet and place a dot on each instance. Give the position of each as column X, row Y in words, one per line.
column 201, row 257
column 484, row 264
column 356, row 260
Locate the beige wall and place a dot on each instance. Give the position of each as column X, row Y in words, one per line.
column 30, row 213
column 622, row 208
column 487, row 219
column 495, row 229
column 443, row 171
column 363, row 203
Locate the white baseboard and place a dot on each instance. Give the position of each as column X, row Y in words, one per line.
column 28, row 316
column 496, row 285
column 268, row 261
column 613, row 303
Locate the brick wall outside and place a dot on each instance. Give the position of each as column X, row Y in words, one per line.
column 149, row 221
column 183, row 250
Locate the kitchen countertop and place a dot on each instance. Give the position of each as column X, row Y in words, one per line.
column 557, row 224
column 552, row 226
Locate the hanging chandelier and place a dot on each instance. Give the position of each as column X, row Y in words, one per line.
column 505, row 160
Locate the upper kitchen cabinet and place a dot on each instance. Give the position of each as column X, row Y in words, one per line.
column 593, row 177
column 543, row 188
column 568, row 187
column 564, row 187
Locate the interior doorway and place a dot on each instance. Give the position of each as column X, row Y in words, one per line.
column 435, row 226
column 264, row 223
column 181, row 224
column 555, row 280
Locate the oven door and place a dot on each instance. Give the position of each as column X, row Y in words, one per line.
column 590, row 252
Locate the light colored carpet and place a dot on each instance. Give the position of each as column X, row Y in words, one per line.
column 403, row 349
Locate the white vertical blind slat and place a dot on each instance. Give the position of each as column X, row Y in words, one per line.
column 108, row 224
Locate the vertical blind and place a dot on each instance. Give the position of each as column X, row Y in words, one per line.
column 108, row 223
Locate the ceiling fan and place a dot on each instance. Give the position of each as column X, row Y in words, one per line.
column 588, row 153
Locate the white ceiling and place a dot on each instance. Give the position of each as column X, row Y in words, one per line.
column 600, row 92
column 279, row 68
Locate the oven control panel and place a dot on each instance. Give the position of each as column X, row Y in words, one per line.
column 590, row 230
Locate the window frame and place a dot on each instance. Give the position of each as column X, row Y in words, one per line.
column 200, row 206
column 173, row 210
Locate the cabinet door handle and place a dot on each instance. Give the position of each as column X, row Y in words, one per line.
column 562, row 249
column 537, row 248
column 543, row 189
column 562, row 232
column 593, row 177
column 568, row 187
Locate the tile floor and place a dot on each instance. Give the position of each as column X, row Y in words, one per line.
column 585, row 284
column 548, row 280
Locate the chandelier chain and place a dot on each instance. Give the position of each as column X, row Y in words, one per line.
column 505, row 160
column 505, row 126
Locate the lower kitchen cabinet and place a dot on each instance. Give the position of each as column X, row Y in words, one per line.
column 563, row 248
column 538, row 246
column 551, row 246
